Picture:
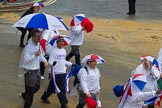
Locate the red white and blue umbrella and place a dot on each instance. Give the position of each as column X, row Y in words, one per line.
column 60, row 18
column 40, row 20
column 98, row 58
column 53, row 41
column 38, row 4
column 135, row 84
column 80, row 19
column 77, row 19
column 151, row 59
column 138, row 83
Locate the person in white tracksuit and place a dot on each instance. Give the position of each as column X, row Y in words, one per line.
column 58, row 64
column 31, row 58
column 89, row 83
column 153, row 74
column 76, row 36
column 47, row 35
column 137, row 100
column 159, row 59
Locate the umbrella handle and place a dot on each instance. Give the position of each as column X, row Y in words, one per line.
column 17, row 32
column 39, row 47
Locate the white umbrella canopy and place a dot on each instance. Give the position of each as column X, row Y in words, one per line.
column 98, row 58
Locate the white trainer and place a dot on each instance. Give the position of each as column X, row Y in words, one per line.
column 42, row 77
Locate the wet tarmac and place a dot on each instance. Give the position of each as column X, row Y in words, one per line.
column 113, row 71
column 145, row 9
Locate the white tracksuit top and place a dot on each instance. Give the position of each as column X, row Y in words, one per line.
column 48, row 35
column 76, row 35
column 58, row 55
column 152, row 76
column 159, row 59
column 137, row 100
column 89, row 81
column 28, row 58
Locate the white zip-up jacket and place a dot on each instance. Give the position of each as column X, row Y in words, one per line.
column 159, row 59
column 48, row 35
column 137, row 100
column 58, row 55
column 76, row 35
column 152, row 76
column 89, row 80
column 29, row 60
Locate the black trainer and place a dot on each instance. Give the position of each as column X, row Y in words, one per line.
column 46, row 101
column 22, row 45
column 64, row 106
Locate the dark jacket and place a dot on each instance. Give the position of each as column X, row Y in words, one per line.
column 29, row 11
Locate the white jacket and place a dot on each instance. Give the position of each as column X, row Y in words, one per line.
column 159, row 59
column 58, row 55
column 28, row 58
column 137, row 100
column 89, row 80
column 76, row 35
column 48, row 35
column 152, row 76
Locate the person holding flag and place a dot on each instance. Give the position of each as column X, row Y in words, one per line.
column 150, row 68
column 57, row 64
column 46, row 37
column 132, row 93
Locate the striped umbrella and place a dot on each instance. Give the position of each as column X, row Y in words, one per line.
column 38, row 4
column 53, row 41
column 135, row 84
column 98, row 58
column 77, row 19
column 40, row 20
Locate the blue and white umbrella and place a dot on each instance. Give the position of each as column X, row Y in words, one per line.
column 40, row 20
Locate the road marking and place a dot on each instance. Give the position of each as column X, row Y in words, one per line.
column 50, row 2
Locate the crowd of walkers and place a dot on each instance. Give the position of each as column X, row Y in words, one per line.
column 36, row 59
column 143, row 87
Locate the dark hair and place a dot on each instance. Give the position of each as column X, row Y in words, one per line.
column 89, row 61
column 33, row 33
column 58, row 40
